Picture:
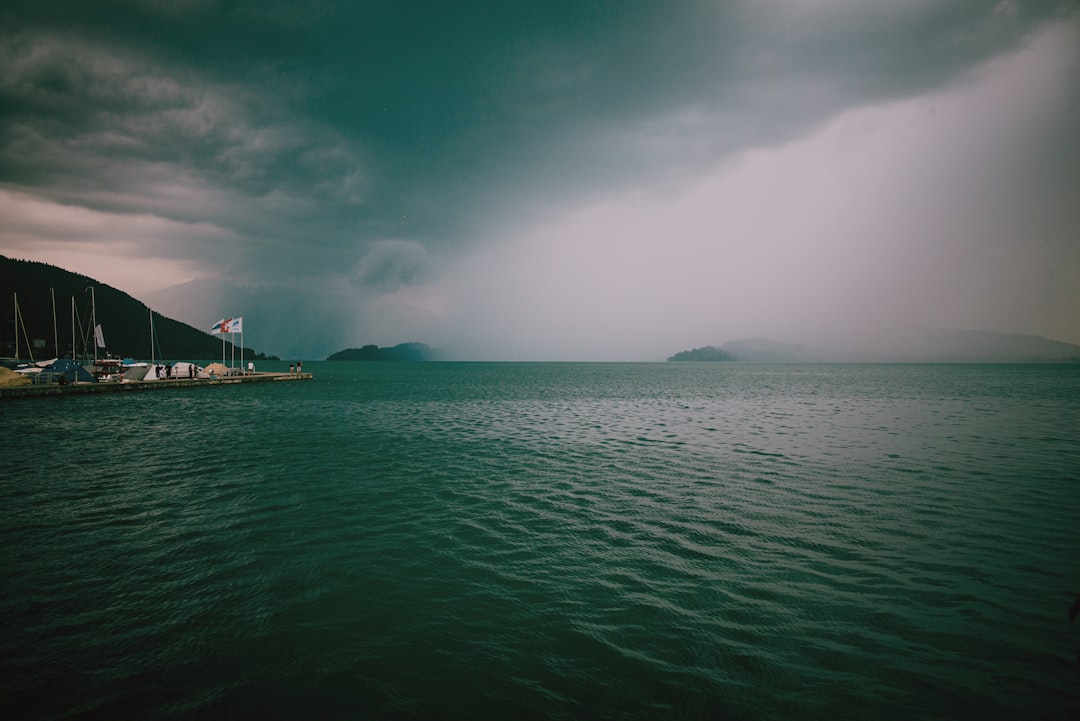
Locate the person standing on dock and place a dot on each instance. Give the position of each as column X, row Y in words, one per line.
column 292, row 368
column 299, row 367
column 251, row 368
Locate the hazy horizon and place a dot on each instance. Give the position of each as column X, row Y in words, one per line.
column 585, row 181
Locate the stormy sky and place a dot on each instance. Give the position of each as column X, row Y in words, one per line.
column 552, row 180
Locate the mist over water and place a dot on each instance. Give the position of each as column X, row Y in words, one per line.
column 468, row 540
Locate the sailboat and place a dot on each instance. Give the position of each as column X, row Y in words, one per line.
column 32, row 368
column 107, row 368
column 137, row 371
column 56, row 370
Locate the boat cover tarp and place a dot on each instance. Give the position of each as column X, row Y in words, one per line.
column 66, row 369
column 217, row 369
column 135, row 371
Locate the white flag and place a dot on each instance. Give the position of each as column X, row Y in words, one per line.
column 233, row 325
column 216, row 329
column 99, row 337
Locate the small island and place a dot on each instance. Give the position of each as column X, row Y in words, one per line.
column 400, row 352
column 708, row 353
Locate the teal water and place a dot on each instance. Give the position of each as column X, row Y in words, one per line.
column 508, row 541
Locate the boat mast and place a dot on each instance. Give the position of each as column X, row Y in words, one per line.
column 93, row 320
column 18, row 316
column 151, row 336
column 72, row 327
column 55, row 332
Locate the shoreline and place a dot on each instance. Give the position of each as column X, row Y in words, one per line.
column 55, row 389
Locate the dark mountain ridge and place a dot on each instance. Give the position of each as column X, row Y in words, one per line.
column 125, row 321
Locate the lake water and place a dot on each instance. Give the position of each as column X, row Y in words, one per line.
column 562, row 541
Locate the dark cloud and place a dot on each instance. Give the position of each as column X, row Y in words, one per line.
column 378, row 112
column 388, row 265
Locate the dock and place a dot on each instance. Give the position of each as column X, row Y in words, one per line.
column 55, row 389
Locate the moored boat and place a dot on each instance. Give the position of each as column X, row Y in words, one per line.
column 108, row 369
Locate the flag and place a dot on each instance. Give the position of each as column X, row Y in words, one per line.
column 216, row 329
column 99, row 336
column 233, row 325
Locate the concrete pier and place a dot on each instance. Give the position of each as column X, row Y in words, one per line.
column 55, row 389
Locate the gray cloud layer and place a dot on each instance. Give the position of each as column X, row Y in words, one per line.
column 374, row 143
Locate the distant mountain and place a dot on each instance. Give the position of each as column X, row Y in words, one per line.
column 900, row 346
column 125, row 321
column 982, row 346
column 949, row 346
column 400, row 352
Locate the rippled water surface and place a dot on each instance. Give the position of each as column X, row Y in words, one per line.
column 548, row 541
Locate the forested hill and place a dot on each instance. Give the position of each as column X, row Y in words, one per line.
column 125, row 321
column 708, row 353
